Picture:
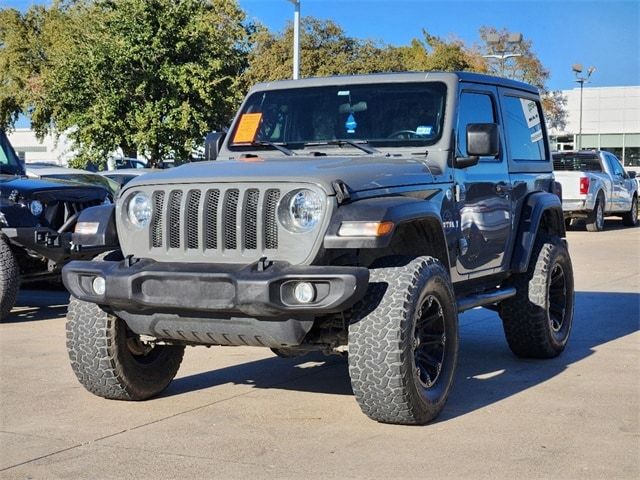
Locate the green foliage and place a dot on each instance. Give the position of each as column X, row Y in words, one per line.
column 434, row 53
column 151, row 76
column 325, row 50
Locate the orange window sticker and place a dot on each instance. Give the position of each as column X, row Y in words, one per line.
column 247, row 128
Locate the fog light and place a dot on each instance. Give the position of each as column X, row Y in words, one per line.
column 99, row 285
column 304, row 292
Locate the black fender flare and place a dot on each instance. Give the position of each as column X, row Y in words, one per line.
column 535, row 207
column 397, row 209
column 96, row 227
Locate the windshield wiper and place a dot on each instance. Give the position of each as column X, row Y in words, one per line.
column 278, row 146
column 359, row 144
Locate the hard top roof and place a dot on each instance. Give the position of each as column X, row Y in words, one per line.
column 396, row 77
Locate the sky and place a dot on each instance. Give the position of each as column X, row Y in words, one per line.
column 605, row 34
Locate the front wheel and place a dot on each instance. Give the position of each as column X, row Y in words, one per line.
column 111, row 361
column 403, row 342
column 630, row 218
column 9, row 279
column 537, row 320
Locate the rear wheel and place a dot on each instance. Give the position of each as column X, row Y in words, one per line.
column 9, row 279
column 630, row 218
column 537, row 320
column 595, row 220
column 403, row 343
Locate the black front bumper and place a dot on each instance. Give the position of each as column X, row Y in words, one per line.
column 51, row 244
column 146, row 286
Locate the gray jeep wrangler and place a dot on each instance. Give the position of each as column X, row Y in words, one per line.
column 355, row 214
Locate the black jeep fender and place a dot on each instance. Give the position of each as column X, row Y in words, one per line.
column 541, row 212
column 413, row 219
column 96, row 228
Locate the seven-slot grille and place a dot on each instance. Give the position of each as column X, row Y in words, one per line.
column 215, row 219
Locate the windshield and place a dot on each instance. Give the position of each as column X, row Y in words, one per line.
column 9, row 162
column 577, row 163
column 383, row 115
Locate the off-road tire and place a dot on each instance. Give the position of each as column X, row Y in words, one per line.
column 630, row 218
column 103, row 362
column 9, row 279
column 528, row 323
column 97, row 343
column 595, row 219
column 382, row 367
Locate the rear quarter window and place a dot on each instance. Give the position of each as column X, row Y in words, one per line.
column 525, row 135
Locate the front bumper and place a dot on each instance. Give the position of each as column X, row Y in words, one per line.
column 146, row 286
column 51, row 244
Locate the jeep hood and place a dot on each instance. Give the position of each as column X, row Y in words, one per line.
column 28, row 187
column 359, row 173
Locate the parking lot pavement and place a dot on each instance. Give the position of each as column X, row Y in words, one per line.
column 243, row 413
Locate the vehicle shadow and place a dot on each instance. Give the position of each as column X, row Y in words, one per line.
column 487, row 370
column 610, row 224
column 36, row 305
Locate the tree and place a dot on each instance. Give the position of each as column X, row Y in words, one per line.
column 325, row 50
column 151, row 76
column 434, row 53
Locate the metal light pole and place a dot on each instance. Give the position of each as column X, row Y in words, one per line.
column 501, row 51
column 581, row 79
column 296, row 39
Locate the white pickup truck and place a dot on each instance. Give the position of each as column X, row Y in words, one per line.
column 595, row 185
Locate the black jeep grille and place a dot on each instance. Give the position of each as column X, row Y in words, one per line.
column 57, row 213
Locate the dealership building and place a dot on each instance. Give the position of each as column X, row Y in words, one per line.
column 610, row 121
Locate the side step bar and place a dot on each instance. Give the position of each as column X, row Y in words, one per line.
column 485, row 298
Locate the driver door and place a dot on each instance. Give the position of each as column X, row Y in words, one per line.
column 483, row 191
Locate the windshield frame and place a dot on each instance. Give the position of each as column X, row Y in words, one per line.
column 14, row 163
column 333, row 144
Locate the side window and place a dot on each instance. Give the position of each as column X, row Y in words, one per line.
column 474, row 108
column 616, row 168
column 523, row 118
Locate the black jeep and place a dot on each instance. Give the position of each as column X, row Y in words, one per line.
column 355, row 214
column 36, row 221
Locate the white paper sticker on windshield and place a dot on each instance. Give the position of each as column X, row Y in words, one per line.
column 344, row 93
column 424, row 130
column 536, row 136
column 530, row 110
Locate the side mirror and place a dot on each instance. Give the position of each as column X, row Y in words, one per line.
column 212, row 145
column 632, row 174
column 483, row 140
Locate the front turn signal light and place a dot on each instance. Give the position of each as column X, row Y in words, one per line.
column 365, row 229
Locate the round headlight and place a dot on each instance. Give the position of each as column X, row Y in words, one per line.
column 140, row 210
column 300, row 210
column 35, row 206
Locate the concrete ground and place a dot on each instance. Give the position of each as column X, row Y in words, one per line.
column 244, row 413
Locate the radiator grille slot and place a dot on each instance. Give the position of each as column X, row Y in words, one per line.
column 175, row 200
column 156, row 220
column 270, row 225
column 230, row 219
column 211, row 219
column 250, row 219
column 193, row 204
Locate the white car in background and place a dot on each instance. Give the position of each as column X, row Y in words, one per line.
column 595, row 185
